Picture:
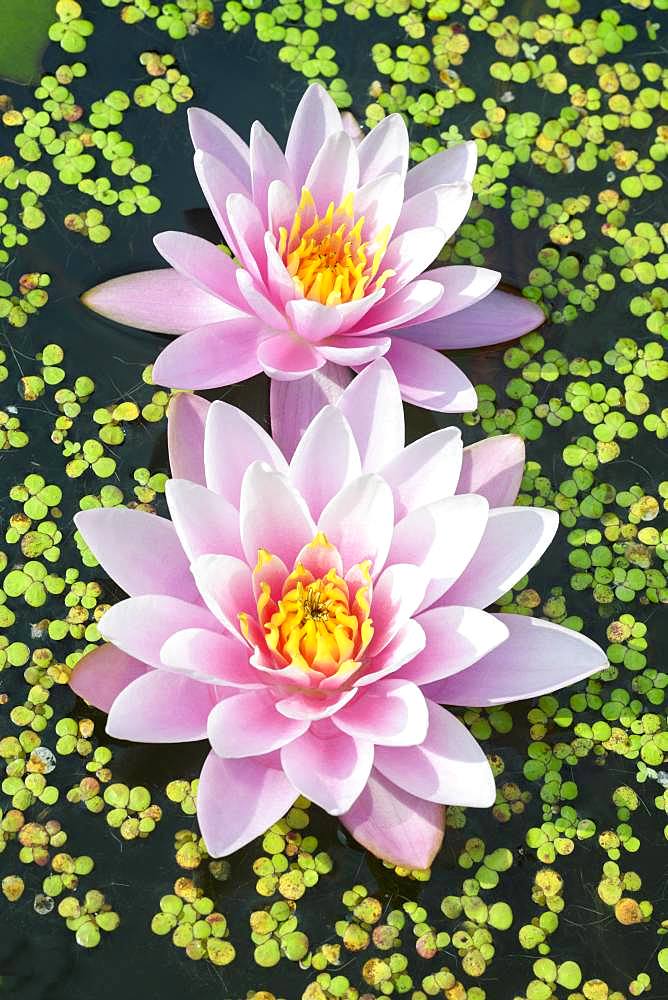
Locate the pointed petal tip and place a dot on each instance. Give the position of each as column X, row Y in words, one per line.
column 102, row 673
column 395, row 826
column 545, row 657
column 514, row 451
column 84, row 520
column 494, row 466
column 160, row 238
column 99, row 299
column 195, row 111
column 535, row 312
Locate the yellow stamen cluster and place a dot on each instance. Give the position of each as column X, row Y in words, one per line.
column 313, row 623
column 327, row 257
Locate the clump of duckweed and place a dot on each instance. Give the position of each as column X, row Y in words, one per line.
column 168, row 88
column 275, row 934
column 184, row 793
column 195, row 926
column 88, row 919
column 131, row 811
column 291, row 863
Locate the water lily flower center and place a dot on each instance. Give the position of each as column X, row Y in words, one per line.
column 328, row 257
column 315, row 607
column 316, row 619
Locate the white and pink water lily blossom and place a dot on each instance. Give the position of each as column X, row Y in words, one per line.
column 310, row 617
column 331, row 239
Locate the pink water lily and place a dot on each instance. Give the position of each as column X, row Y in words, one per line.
column 331, row 240
column 310, row 618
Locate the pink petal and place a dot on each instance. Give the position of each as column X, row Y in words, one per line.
column 425, row 471
column 214, row 136
column 279, row 283
column 272, row 571
column 397, row 594
column 282, row 205
column 101, row 675
column 247, row 725
column 249, row 229
column 446, row 167
column 325, row 460
column 456, row 638
column 162, row 301
column 372, row 405
column 442, row 538
column 384, row 149
column 407, row 643
column 225, row 584
column 355, row 578
column 294, row 404
column 497, row 318
column 444, row 206
column 359, row 521
column 285, row 357
column 380, row 202
column 394, row 825
column 354, row 350
column 514, row 540
column 238, row 800
column 211, row 657
column 273, row 515
column 410, row 254
column 316, row 117
column 258, row 303
column 288, row 676
column 140, row 626
column 351, row 126
column 313, row 320
column 205, row 522
column 538, row 657
column 391, row 713
column 218, row 182
column 125, row 543
column 334, row 172
column 449, row 766
column 494, row 468
column 352, row 313
column 462, row 287
column 304, row 706
column 161, row 707
column 203, row 263
column 211, row 356
column 186, row 418
column 429, row 379
column 318, row 558
column 328, row 766
column 232, row 442
column 267, row 164
column 399, row 309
